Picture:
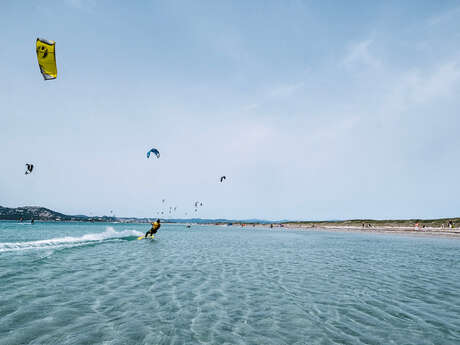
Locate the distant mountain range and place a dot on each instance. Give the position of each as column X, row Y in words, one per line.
column 31, row 212
column 28, row 213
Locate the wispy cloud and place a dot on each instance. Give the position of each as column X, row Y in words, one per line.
column 440, row 83
column 360, row 54
column 285, row 90
column 422, row 87
column 277, row 92
column 251, row 106
column 81, row 4
column 451, row 14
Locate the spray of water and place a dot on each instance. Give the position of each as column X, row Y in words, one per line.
column 67, row 242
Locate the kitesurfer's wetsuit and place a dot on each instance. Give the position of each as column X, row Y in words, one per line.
column 153, row 230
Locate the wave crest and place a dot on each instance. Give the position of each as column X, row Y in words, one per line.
column 66, row 242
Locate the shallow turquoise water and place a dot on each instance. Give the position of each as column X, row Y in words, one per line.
column 73, row 283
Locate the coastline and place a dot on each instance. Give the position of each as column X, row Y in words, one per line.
column 441, row 227
column 430, row 232
column 396, row 230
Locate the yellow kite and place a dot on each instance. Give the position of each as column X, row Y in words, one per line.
column 46, row 58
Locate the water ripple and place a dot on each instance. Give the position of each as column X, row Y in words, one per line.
column 218, row 286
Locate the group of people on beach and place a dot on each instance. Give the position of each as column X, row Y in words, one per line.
column 450, row 224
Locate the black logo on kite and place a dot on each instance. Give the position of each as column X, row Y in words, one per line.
column 43, row 51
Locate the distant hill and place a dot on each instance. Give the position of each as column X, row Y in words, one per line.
column 41, row 213
column 45, row 214
column 28, row 213
column 31, row 212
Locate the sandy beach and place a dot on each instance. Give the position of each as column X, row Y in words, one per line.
column 374, row 229
column 444, row 232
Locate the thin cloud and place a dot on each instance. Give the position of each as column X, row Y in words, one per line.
column 281, row 91
column 422, row 87
column 286, row 90
column 250, row 107
column 360, row 54
column 81, row 4
column 446, row 16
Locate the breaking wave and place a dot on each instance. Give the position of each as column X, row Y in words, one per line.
column 66, row 242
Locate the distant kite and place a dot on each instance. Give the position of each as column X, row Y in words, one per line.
column 29, row 168
column 222, row 178
column 46, row 58
column 155, row 152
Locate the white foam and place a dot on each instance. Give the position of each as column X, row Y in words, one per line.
column 65, row 242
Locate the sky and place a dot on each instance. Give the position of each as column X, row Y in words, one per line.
column 314, row 110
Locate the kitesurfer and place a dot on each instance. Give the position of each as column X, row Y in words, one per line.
column 29, row 168
column 153, row 230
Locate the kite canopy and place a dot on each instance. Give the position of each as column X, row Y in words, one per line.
column 46, row 58
column 155, row 152
column 222, row 178
column 29, row 168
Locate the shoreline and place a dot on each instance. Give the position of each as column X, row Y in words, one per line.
column 396, row 230
column 445, row 232
column 428, row 232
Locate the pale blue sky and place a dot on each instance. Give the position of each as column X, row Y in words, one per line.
column 313, row 109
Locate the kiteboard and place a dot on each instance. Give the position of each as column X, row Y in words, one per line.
column 149, row 237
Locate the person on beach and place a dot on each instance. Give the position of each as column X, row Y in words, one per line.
column 153, row 230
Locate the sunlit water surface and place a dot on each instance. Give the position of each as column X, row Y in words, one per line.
column 75, row 283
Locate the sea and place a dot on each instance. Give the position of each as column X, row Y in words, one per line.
column 95, row 283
